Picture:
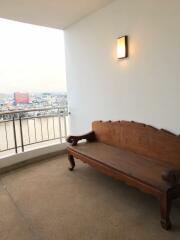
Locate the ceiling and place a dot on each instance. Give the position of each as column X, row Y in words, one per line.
column 51, row 13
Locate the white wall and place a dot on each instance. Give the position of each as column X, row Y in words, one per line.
column 146, row 86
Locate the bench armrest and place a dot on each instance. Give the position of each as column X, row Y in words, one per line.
column 90, row 137
column 172, row 177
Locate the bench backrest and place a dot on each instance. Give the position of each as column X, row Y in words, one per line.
column 140, row 138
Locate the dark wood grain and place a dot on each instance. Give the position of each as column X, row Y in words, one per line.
column 137, row 154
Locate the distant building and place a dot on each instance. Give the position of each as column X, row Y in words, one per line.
column 21, row 98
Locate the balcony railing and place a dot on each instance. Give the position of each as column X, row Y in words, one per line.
column 24, row 128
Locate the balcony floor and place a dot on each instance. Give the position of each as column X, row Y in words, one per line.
column 45, row 201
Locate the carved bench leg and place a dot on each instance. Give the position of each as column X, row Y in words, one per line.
column 72, row 162
column 165, row 207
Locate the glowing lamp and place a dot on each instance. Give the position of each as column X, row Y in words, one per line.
column 122, row 47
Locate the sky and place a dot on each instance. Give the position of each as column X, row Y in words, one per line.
column 32, row 58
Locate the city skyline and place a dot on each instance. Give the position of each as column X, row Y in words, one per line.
column 20, row 101
column 32, row 58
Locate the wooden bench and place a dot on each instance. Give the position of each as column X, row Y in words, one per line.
column 139, row 155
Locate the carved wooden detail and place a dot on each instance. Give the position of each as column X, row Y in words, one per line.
column 71, row 161
column 172, row 177
column 165, row 207
column 90, row 137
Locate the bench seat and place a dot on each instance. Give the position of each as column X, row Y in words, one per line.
column 140, row 155
column 129, row 163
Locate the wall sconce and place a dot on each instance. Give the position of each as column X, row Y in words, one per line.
column 122, row 47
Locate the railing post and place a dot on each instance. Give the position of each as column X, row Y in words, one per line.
column 7, row 144
column 65, row 126
column 60, row 132
column 21, row 133
column 15, row 139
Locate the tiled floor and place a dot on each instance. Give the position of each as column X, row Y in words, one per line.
column 45, row 201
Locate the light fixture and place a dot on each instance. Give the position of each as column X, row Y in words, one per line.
column 122, row 47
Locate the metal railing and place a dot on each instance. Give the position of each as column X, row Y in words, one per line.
column 23, row 128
